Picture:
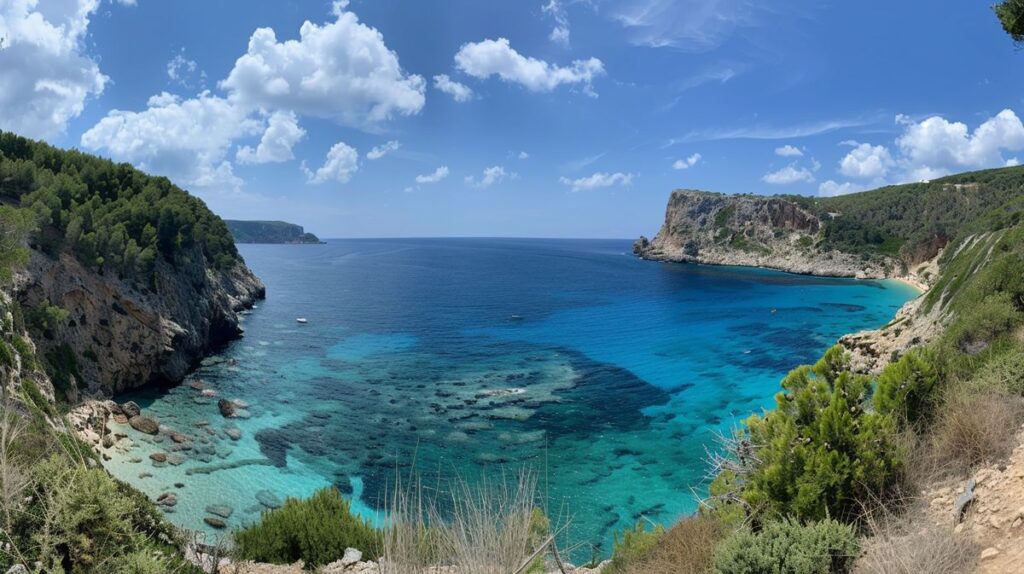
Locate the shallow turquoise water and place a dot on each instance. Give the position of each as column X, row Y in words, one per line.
column 607, row 375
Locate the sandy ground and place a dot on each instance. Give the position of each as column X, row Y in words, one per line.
column 995, row 519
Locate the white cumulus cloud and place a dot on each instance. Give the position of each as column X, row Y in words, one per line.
column 687, row 163
column 439, row 174
column 866, row 161
column 492, row 175
column 788, row 151
column 46, row 76
column 598, row 180
column 341, row 70
column 789, row 175
column 832, row 188
column 935, row 146
column 383, row 150
column 458, row 91
column 186, row 141
column 342, row 162
column 497, row 58
column 282, row 133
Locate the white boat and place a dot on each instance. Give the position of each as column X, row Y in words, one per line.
column 301, row 320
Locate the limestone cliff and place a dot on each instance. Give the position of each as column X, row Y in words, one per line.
column 124, row 336
column 756, row 231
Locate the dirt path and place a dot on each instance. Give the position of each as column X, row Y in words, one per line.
column 995, row 519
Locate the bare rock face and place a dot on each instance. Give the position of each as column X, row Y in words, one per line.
column 125, row 335
column 753, row 231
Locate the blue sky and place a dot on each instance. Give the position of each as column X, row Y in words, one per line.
column 550, row 118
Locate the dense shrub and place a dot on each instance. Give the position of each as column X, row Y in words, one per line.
column 687, row 548
column 990, row 318
column 916, row 545
column 46, row 318
column 974, row 426
column 1004, row 372
column 822, row 450
column 316, row 530
column 907, row 388
column 630, row 548
column 62, row 366
column 787, row 547
column 81, row 521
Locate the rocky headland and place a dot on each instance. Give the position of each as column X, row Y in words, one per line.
column 751, row 231
column 125, row 336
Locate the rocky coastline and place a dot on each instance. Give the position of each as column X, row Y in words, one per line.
column 775, row 233
column 128, row 336
column 752, row 231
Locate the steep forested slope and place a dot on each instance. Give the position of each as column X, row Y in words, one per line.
column 130, row 278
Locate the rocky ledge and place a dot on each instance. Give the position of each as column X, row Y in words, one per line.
column 750, row 231
column 126, row 335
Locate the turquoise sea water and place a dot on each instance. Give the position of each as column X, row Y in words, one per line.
column 608, row 375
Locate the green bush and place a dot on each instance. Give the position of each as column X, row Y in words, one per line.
column 633, row 546
column 906, row 388
column 81, row 519
column 787, row 547
column 46, row 318
column 1003, row 372
column 993, row 316
column 28, row 357
column 62, row 366
column 822, row 451
column 316, row 530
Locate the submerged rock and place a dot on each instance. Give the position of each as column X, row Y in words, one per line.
column 158, row 457
column 144, row 424
column 227, row 408
column 221, row 510
column 215, row 522
column 269, row 499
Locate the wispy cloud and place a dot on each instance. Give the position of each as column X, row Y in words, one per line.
column 688, row 25
column 770, row 132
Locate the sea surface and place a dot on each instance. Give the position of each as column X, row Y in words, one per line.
column 608, row 376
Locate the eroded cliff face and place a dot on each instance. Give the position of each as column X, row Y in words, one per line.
column 770, row 232
column 124, row 336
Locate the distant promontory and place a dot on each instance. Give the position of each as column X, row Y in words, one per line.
column 269, row 232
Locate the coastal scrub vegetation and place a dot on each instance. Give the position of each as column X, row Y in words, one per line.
column 63, row 513
column 316, row 530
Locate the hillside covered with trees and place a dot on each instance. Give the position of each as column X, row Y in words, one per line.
column 112, row 217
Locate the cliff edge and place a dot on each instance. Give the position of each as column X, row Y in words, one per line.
column 753, row 231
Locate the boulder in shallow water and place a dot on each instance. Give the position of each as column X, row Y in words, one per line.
column 234, row 433
column 158, row 457
column 269, row 499
column 227, row 408
column 144, row 424
column 131, row 409
column 215, row 522
column 221, row 510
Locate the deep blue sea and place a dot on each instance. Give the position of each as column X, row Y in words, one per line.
column 607, row 375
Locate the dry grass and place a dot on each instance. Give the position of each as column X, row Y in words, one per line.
column 484, row 528
column 913, row 545
column 974, row 427
column 687, row 548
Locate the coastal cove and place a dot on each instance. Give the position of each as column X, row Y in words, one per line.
column 606, row 374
